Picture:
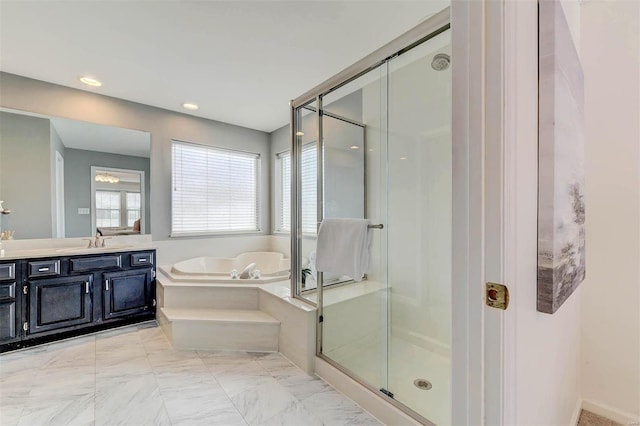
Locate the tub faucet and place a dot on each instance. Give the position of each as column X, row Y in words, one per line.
column 248, row 271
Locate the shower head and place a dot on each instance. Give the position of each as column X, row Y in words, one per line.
column 441, row 62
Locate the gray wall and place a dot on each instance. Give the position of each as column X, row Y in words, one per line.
column 26, row 94
column 26, row 175
column 77, row 182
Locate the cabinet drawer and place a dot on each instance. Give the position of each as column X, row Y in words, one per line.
column 8, row 291
column 7, row 271
column 83, row 264
column 44, row 268
column 141, row 259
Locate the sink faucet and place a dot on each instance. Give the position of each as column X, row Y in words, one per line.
column 96, row 244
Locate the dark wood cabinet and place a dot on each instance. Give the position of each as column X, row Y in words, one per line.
column 59, row 303
column 9, row 304
column 127, row 293
column 46, row 299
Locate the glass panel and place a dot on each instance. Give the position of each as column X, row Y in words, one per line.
column 355, row 327
column 307, row 184
column 420, row 211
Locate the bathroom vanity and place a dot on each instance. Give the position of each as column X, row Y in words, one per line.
column 49, row 298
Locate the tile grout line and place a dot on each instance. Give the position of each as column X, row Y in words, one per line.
column 95, row 377
column 155, row 377
column 223, row 389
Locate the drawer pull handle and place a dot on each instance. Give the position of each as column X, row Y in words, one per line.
column 86, row 287
column 106, row 282
column 142, row 260
column 44, row 269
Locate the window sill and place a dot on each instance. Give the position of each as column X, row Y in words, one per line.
column 216, row 234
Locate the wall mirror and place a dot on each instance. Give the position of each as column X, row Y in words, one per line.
column 63, row 178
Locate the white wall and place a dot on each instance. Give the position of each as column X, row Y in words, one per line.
column 611, row 291
column 547, row 347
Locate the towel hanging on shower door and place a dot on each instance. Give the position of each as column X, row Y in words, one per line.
column 344, row 247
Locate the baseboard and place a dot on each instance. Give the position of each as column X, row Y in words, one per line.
column 576, row 413
column 610, row 413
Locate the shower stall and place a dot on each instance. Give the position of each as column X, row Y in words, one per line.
column 374, row 142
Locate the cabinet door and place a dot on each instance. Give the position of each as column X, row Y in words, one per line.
column 58, row 303
column 127, row 293
column 9, row 321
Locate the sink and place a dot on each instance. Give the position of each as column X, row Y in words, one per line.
column 91, row 250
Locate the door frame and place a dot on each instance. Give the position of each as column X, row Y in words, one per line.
column 495, row 139
column 59, row 231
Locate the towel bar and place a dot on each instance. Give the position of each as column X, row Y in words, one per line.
column 380, row 226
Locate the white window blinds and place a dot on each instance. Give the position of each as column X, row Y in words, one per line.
column 213, row 190
column 284, row 195
column 309, row 190
column 309, row 193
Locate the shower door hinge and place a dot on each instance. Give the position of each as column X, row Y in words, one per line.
column 386, row 392
column 497, row 296
column 320, row 318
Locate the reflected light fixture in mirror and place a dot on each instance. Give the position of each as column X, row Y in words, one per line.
column 190, row 106
column 107, row 178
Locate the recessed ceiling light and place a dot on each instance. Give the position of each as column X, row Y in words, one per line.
column 299, row 133
column 90, row 81
column 190, row 106
column 354, row 147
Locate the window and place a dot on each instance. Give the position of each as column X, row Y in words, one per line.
column 214, row 190
column 283, row 194
column 132, row 202
column 309, row 193
column 107, row 209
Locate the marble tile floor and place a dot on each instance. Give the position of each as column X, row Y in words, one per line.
column 132, row 376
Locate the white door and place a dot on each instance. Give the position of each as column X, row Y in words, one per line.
column 59, row 173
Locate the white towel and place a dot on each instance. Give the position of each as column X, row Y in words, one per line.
column 344, row 247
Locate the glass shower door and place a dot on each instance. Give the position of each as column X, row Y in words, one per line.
column 419, row 222
column 379, row 147
column 355, row 313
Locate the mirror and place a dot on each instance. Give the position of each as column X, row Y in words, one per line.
column 63, row 178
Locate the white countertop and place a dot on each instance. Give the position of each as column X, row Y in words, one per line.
column 68, row 247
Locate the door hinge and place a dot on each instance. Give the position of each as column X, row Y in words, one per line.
column 153, row 274
column 386, row 392
column 497, row 296
column 25, row 289
column 321, row 318
column 25, row 326
column 153, row 302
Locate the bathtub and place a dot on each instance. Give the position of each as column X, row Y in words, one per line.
column 273, row 267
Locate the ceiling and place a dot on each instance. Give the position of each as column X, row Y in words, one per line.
column 96, row 137
column 240, row 61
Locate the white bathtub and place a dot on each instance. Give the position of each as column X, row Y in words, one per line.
column 273, row 266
